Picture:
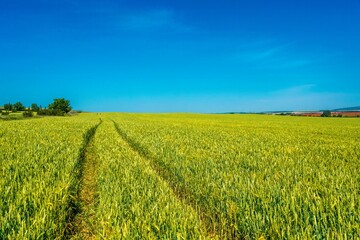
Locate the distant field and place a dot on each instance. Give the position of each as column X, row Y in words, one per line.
column 14, row 116
column 334, row 114
column 180, row 176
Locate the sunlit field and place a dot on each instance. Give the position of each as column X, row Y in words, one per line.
column 180, row 176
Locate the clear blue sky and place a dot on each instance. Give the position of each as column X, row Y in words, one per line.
column 181, row 55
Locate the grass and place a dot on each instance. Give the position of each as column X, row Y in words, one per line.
column 12, row 116
column 259, row 176
column 180, row 176
column 16, row 116
column 38, row 175
column 133, row 201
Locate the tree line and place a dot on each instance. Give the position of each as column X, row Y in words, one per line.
column 59, row 107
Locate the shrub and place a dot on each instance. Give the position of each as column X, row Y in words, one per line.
column 51, row 112
column 326, row 113
column 28, row 113
column 57, row 112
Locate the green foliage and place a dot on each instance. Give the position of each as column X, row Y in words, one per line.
column 326, row 113
column 8, row 107
column 18, row 106
column 35, row 107
column 60, row 105
column 28, row 113
column 50, row 112
column 42, row 112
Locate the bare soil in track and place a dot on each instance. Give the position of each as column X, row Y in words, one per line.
column 83, row 221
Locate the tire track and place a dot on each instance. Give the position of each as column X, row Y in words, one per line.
column 82, row 206
column 180, row 192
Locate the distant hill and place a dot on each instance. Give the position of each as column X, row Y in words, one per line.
column 347, row 109
column 301, row 112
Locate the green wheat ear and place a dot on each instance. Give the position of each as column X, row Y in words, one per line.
column 179, row 176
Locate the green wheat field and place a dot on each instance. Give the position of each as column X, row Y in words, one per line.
column 180, row 176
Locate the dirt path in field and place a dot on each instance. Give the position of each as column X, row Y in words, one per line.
column 81, row 223
column 180, row 193
column 83, row 220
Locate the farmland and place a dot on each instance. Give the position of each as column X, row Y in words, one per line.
column 39, row 174
column 180, row 176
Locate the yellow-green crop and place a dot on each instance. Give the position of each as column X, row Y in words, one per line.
column 180, row 176
column 39, row 171
column 258, row 176
column 133, row 201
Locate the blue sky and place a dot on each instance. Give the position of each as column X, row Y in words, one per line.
column 181, row 55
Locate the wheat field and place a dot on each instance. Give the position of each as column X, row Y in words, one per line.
column 180, row 176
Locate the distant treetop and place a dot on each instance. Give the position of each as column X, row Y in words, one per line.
column 60, row 104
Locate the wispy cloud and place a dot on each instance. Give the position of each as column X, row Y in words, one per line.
column 266, row 53
column 294, row 63
column 300, row 89
column 149, row 19
column 152, row 19
column 303, row 97
column 270, row 54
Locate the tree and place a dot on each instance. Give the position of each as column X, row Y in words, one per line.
column 326, row 113
column 60, row 104
column 18, row 107
column 34, row 107
column 8, row 107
